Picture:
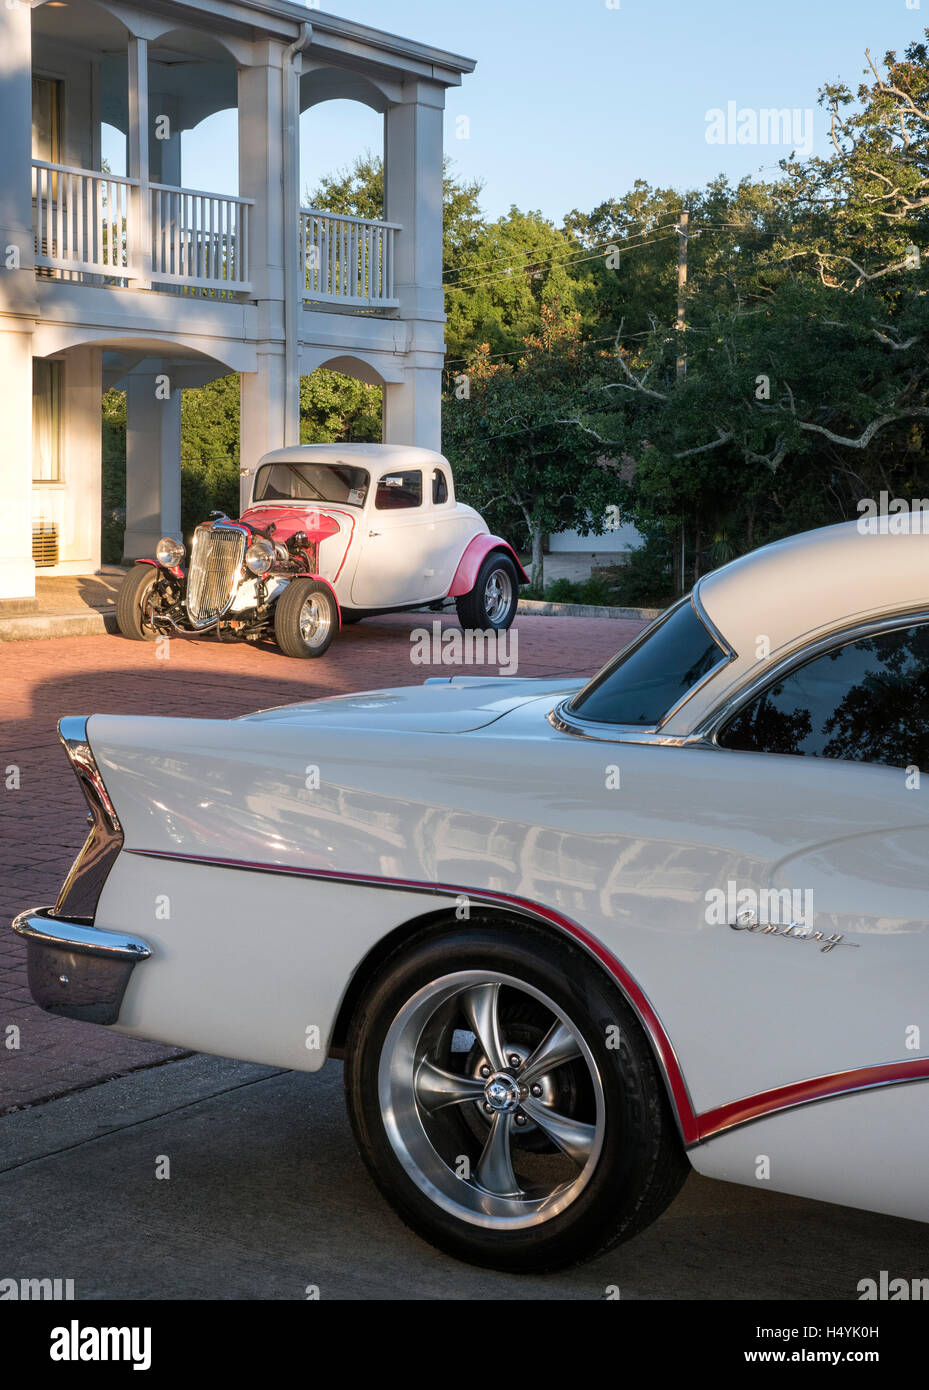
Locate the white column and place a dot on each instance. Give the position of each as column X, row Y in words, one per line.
column 261, row 176
column 261, row 411
column 140, row 223
column 413, row 197
column 263, row 397
column 412, row 412
column 82, row 451
column 17, row 297
column 164, row 155
column 17, row 572
column 153, row 460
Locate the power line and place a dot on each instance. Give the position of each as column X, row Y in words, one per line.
column 568, row 260
column 618, row 239
column 520, row 352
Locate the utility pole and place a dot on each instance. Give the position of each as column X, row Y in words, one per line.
column 680, row 326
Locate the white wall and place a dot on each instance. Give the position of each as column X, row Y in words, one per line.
column 618, row 542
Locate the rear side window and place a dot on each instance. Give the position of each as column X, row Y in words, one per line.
column 395, row 490
column 867, row 701
column 642, row 685
column 439, row 487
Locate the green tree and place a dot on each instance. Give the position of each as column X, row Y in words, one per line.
column 517, row 435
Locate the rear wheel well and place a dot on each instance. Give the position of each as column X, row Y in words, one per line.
column 435, row 924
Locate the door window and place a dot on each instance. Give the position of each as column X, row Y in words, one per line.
column 398, row 490
column 866, row 701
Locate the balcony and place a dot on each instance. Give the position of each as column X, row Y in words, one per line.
column 90, row 228
column 85, row 223
column 348, row 262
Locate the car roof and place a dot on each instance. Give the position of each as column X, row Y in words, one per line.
column 776, row 599
column 371, row 456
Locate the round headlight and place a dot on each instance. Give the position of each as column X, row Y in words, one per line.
column 259, row 556
column 169, row 552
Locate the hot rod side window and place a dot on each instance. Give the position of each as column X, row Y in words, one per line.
column 395, row 490
column 439, row 487
column 866, row 701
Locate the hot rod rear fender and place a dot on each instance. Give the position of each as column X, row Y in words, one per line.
column 475, row 554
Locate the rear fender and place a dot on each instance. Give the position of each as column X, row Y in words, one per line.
column 470, row 563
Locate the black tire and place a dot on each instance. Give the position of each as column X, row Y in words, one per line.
column 633, row 1167
column 132, row 594
column 291, row 620
column 491, row 604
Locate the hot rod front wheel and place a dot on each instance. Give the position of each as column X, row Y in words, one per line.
column 506, row 1101
column 306, row 618
column 132, row 603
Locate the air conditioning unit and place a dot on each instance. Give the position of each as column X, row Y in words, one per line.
column 44, row 544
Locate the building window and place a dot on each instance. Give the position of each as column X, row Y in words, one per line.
column 46, row 421
column 46, row 119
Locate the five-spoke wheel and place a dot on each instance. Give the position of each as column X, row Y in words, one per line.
column 492, row 1107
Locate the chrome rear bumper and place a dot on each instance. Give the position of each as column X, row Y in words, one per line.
column 77, row 970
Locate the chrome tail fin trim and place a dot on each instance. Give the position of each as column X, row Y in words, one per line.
column 81, row 889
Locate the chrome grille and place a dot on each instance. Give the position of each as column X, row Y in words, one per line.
column 215, row 561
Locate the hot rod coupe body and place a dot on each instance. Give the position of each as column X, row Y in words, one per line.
column 571, row 937
column 334, row 533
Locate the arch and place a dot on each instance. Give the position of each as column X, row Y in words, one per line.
column 373, row 368
column 87, row 20
column 335, row 84
column 52, row 338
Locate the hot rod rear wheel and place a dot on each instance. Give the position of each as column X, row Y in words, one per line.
column 131, row 599
column 305, row 618
column 493, row 1112
column 491, row 604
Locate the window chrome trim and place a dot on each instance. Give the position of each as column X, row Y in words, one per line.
column 567, row 721
column 756, row 683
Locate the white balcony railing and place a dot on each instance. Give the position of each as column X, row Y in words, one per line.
column 80, row 218
column 199, row 240
column 98, row 228
column 347, row 261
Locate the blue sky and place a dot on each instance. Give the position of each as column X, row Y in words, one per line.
column 572, row 101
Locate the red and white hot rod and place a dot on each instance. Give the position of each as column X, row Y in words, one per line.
column 334, row 533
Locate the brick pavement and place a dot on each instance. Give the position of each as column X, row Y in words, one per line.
column 42, row 821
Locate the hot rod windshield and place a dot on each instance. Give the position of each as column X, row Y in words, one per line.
column 307, row 481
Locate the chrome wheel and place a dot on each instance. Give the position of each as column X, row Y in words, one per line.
column 491, row 1100
column 498, row 595
column 315, row 621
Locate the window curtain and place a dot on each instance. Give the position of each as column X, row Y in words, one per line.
column 46, row 421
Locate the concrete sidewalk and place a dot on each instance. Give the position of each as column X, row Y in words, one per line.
column 267, row 1198
column 65, row 606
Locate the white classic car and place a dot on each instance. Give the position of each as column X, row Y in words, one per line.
column 572, row 938
column 334, row 533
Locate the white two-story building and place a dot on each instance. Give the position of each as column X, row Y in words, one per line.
column 139, row 282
